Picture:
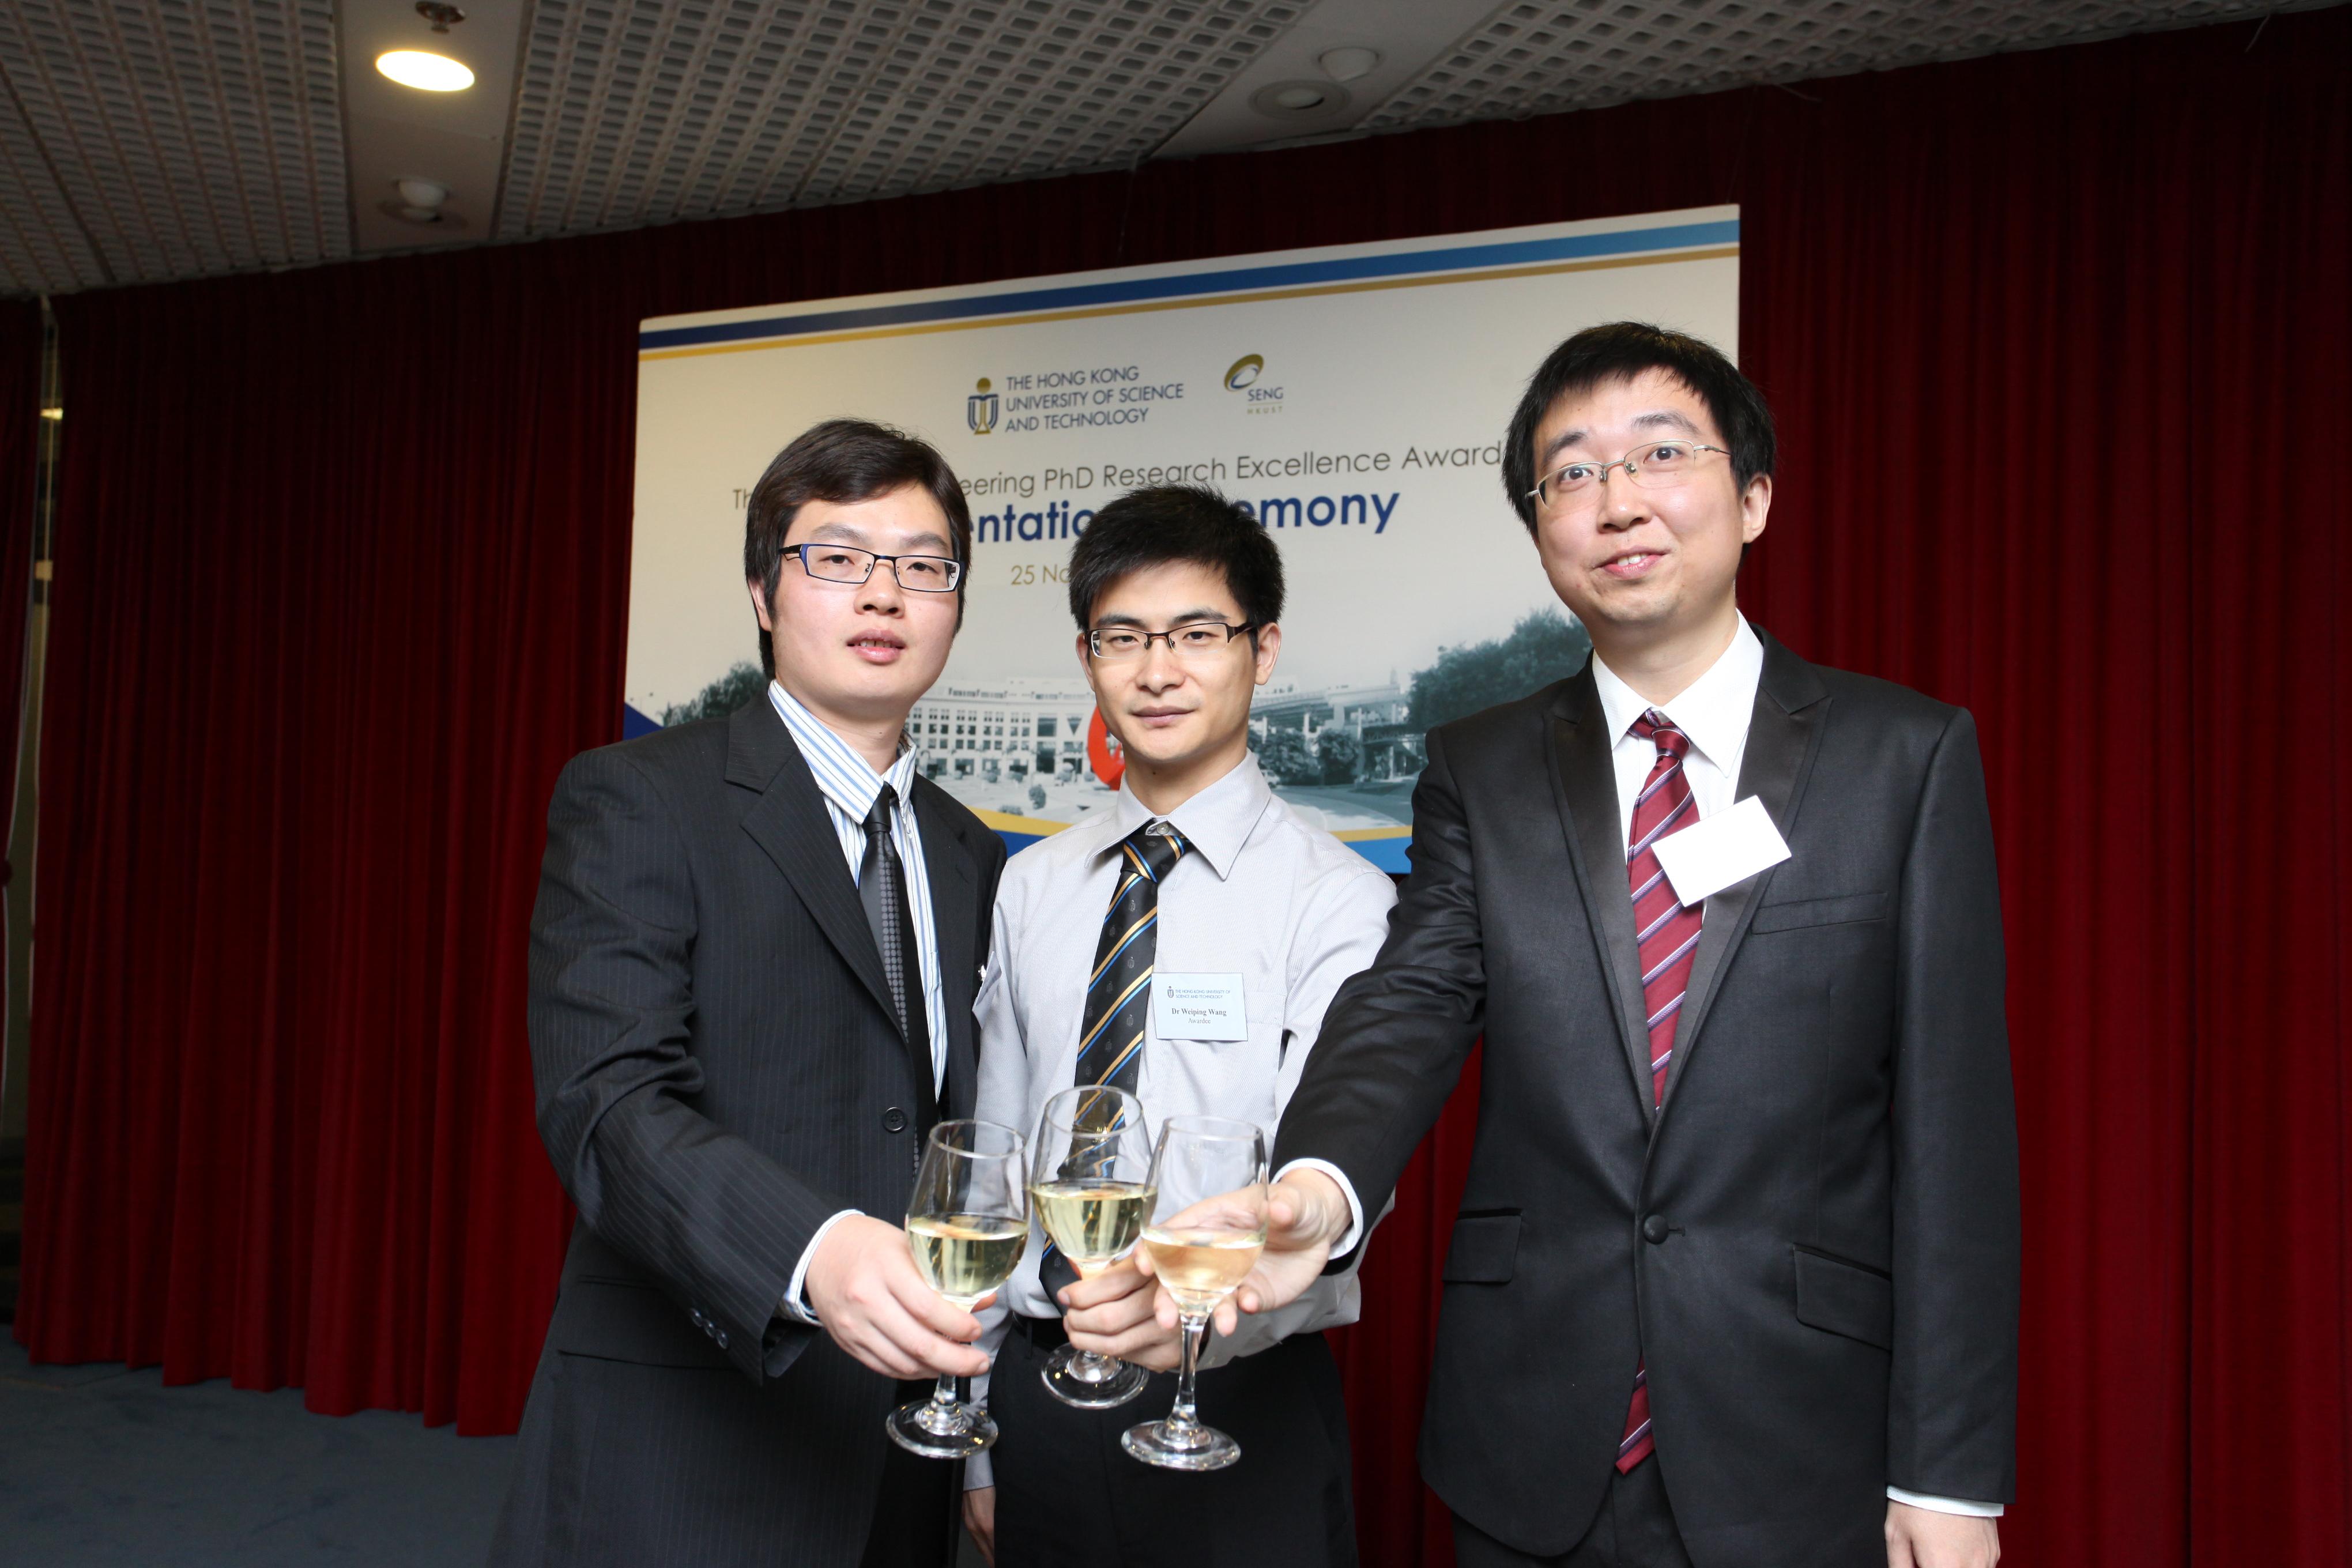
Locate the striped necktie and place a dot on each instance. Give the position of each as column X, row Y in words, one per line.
column 1119, row 991
column 1667, row 933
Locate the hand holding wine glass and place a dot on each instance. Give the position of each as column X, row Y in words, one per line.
column 1208, row 1225
column 1307, row 1215
column 966, row 1224
column 1090, row 1180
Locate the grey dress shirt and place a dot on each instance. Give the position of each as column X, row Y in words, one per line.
column 1266, row 896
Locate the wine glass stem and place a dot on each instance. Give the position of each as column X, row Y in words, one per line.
column 1195, row 1330
column 944, row 1394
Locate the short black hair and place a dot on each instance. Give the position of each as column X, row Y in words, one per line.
column 843, row 461
column 1620, row 351
column 1177, row 523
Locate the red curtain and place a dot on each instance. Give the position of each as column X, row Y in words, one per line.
column 2058, row 343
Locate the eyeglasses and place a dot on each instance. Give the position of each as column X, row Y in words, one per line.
column 1660, row 465
column 846, row 564
column 1193, row 639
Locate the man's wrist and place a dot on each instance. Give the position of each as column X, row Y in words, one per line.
column 1934, row 1504
column 795, row 1307
column 1339, row 1206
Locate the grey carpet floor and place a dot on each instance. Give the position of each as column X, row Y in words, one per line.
column 103, row 1466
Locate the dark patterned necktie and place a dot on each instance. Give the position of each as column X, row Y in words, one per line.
column 1118, row 990
column 882, row 889
column 1667, row 931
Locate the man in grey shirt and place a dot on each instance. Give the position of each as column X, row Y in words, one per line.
column 1177, row 594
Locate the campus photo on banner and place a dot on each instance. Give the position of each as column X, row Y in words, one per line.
column 1353, row 398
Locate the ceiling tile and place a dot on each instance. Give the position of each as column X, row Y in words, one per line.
column 1547, row 57
column 186, row 137
column 634, row 111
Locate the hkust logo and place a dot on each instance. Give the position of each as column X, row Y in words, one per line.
column 981, row 408
column 1246, row 376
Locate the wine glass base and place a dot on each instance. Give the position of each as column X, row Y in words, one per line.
column 1174, row 1447
column 1065, row 1376
column 941, row 1431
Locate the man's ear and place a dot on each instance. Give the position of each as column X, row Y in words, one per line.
column 1754, row 504
column 1268, row 639
column 759, row 592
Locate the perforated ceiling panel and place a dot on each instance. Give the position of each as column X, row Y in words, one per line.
column 632, row 111
column 143, row 139
column 1542, row 58
column 156, row 138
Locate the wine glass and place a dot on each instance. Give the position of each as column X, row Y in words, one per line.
column 1207, row 1227
column 966, row 1223
column 1090, row 1181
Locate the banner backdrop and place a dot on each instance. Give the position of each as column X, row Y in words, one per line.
column 1352, row 398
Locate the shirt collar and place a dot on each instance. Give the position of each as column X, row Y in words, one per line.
column 1713, row 710
column 1216, row 821
column 844, row 776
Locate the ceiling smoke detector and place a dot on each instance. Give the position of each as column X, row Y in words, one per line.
column 420, row 202
column 1349, row 62
column 442, row 16
column 1300, row 101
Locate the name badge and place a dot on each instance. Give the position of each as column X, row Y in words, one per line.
column 1729, row 846
column 1198, row 1008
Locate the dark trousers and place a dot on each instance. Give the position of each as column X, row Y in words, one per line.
column 1634, row 1528
column 1068, row 1495
column 919, row 1506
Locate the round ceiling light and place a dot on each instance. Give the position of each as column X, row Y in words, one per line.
column 426, row 72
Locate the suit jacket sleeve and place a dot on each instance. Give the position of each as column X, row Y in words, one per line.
column 1953, row 1405
column 719, row 1222
column 1394, row 1037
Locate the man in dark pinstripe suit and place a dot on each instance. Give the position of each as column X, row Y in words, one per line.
column 752, row 967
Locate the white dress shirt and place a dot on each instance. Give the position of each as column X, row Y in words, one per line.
column 849, row 785
column 1713, row 711
column 1262, row 894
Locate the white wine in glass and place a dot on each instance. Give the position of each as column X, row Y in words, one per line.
column 1090, row 1180
column 963, row 1257
column 1207, row 1229
column 1201, row 1267
column 966, row 1224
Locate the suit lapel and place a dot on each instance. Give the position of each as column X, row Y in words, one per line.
column 789, row 821
column 1783, row 734
column 1585, row 786
column 947, row 860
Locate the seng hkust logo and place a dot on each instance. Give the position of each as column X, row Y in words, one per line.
column 1246, row 376
column 980, row 409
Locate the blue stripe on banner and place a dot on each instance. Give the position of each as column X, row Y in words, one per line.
column 1129, row 290
column 634, row 724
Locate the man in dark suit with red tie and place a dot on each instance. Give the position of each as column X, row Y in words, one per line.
column 1734, row 1282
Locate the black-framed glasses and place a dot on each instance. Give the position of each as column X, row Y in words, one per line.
column 847, row 564
column 1653, row 466
column 1193, row 639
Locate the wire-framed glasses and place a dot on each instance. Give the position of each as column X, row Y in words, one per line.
column 1193, row 639
column 1653, row 466
column 847, row 564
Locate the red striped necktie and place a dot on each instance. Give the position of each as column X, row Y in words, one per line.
column 1667, row 933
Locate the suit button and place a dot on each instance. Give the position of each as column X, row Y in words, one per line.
column 894, row 1120
column 722, row 1339
column 1654, row 1229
